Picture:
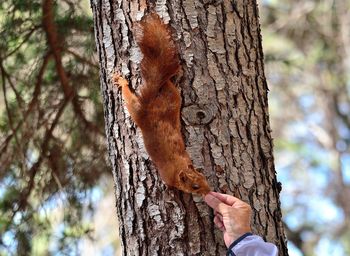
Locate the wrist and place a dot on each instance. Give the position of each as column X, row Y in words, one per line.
column 238, row 239
column 237, row 235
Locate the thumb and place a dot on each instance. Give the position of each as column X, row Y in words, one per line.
column 215, row 203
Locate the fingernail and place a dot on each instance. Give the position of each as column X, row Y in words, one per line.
column 212, row 193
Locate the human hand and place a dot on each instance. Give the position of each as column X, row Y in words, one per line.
column 232, row 216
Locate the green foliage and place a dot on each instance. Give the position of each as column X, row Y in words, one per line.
column 52, row 146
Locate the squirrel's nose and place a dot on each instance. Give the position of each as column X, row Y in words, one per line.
column 195, row 186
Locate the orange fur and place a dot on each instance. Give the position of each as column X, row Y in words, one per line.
column 156, row 110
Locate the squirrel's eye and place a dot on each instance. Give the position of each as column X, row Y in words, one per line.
column 195, row 186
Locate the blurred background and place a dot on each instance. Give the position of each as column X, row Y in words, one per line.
column 56, row 193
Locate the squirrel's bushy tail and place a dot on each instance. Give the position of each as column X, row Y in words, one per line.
column 160, row 58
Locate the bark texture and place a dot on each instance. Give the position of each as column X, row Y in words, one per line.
column 225, row 124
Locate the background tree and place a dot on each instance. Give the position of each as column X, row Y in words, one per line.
column 307, row 55
column 225, row 119
column 52, row 149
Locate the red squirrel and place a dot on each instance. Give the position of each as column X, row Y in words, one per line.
column 156, row 108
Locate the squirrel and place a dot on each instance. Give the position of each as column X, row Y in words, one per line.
column 156, row 108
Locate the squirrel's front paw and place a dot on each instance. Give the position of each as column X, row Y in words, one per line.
column 119, row 81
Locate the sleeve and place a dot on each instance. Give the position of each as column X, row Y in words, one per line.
column 252, row 245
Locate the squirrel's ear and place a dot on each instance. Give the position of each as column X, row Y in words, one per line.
column 182, row 176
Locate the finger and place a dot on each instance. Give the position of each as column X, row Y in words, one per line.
column 217, row 213
column 215, row 203
column 219, row 216
column 219, row 223
column 227, row 199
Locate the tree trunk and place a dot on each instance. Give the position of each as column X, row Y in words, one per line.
column 225, row 124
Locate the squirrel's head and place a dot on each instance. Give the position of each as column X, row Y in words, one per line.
column 192, row 181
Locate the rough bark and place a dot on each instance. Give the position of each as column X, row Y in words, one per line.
column 225, row 124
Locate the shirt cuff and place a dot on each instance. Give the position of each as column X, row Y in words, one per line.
column 229, row 251
column 252, row 245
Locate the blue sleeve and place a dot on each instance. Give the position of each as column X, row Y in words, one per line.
column 251, row 245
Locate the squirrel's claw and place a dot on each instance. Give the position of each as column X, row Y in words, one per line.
column 119, row 81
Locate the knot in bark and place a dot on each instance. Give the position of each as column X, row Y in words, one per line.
column 195, row 114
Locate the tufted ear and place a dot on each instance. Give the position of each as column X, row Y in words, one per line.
column 183, row 177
